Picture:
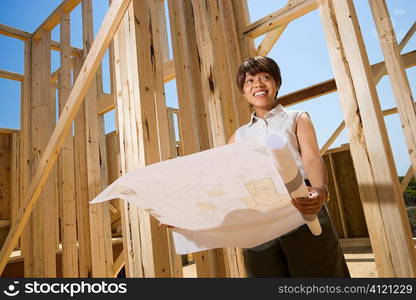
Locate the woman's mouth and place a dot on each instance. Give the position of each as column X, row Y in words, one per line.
column 261, row 93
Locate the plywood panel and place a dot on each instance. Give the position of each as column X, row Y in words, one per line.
column 351, row 202
column 5, row 183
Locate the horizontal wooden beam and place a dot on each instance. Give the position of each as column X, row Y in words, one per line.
column 106, row 33
column 106, row 102
column 8, row 130
column 329, row 86
column 23, row 36
column 55, row 17
column 57, row 47
column 293, row 10
column 4, row 223
column 308, row 93
column 11, row 75
column 169, row 70
column 14, row 32
column 355, row 242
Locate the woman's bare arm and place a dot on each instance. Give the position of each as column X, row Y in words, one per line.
column 314, row 167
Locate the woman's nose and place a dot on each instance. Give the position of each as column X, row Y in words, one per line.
column 258, row 82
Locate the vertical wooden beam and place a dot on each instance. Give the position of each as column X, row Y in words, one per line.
column 376, row 174
column 43, row 119
column 66, row 162
column 231, row 15
column 163, row 30
column 26, row 153
column 219, row 26
column 140, row 103
column 193, row 121
column 14, row 176
column 210, row 84
column 128, row 141
column 398, row 77
column 242, row 20
column 100, row 220
column 173, row 143
column 192, row 118
column 206, row 261
column 81, row 184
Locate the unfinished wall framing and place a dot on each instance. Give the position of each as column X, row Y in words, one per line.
column 56, row 167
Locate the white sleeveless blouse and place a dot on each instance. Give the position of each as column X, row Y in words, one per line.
column 277, row 120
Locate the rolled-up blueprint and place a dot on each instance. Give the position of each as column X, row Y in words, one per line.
column 292, row 178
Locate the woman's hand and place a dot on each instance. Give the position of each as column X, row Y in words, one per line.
column 311, row 205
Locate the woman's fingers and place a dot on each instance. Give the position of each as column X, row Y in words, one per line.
column 308, row 206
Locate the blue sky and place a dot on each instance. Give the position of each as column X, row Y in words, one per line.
column 301, row 53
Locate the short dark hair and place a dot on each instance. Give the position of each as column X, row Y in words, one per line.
column 255, row 65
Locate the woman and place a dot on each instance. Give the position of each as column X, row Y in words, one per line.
column 298, row 253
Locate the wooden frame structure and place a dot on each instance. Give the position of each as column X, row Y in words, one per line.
column 74, row 150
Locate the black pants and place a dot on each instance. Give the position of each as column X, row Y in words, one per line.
column 299, row 254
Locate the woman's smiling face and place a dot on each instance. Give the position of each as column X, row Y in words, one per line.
column 260, row 91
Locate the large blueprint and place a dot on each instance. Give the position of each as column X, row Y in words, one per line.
column 229, row 196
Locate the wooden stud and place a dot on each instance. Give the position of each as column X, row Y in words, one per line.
column 188, row 81
column 26, row 155
column 100, row 220
column 44, row 240
column 242, row 19
column 376, row 174
column 171, row 112
column 14, row 176
column 81, row 184
column 398, row 77
column 66, row 162
column 218, row 26
column 140, row 101
column 163, row 30
column 128, row 144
